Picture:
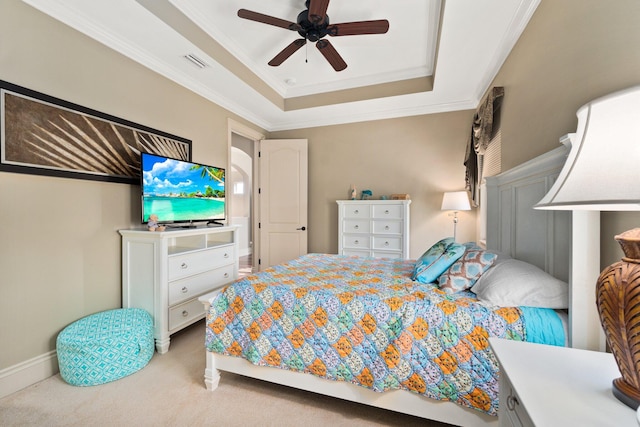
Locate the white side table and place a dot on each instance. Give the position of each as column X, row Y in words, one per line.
column 543, row 385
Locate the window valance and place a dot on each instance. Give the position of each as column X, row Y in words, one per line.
column 481, row 133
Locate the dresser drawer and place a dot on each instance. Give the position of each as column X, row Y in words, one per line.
column 387, row 227
column 355, row 252
column 511, row 411
column 384, row 254
column 362, row 211
column 387, row 211
column 516, row 415
column 185, row 313
column 387, row 243
column 356, row 242
column 357, row 226
column 184, row 265
column 192, row 286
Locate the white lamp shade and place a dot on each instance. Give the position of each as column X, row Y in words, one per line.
column 602, row 171
column 456, row 201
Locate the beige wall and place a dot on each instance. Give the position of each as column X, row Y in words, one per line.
column 59, row 245
column 571, row 52
column 419, row 155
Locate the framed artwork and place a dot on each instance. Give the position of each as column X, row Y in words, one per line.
column 43, row 135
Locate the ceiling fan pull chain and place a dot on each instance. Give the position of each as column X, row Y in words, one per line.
column 306, row 53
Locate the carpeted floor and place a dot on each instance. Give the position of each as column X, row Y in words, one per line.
column 170, row 391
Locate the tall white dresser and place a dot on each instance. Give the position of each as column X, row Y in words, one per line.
column 165, row 273
column 374, row 228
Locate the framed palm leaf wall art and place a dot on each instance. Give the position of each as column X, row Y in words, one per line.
column 43, row 135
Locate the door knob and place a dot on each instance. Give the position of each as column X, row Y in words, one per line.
column 302, row 228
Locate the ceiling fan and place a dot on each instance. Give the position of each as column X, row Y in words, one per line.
column 313, row 25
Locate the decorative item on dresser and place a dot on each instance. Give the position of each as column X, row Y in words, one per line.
column 377, row 228
column 601, row 174
column 455, row 201
column 165, row 273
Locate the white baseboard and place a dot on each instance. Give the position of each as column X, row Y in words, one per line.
column 29, row 372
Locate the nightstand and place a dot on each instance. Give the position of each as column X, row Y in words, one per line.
column 543, row 385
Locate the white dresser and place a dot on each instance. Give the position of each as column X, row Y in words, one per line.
column 165, row 273
column 544, row 385
column 375, row 228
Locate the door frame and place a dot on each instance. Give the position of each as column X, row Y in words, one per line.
column 235, row 127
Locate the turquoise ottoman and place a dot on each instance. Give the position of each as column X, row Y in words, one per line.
column 105, row 346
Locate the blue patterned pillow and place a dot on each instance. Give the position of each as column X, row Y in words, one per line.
column 464, row 273
column 436, row 260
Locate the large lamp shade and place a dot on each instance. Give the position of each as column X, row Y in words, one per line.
column 602, row 171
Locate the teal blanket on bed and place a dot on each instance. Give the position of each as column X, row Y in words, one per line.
column 543, row 326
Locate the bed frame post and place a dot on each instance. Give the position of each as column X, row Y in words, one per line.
column 211, row 374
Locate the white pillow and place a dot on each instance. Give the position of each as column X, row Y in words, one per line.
column 511, row 282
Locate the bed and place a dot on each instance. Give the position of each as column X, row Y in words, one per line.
column 361, row 329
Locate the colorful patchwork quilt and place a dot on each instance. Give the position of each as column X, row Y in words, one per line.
column 364, row 321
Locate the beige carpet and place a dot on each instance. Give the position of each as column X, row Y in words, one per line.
column 170, row 391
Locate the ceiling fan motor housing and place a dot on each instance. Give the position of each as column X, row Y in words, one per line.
column 310, row 31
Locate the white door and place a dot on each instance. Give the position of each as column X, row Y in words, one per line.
column 282, row 196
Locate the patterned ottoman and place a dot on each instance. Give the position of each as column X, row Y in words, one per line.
column 105, row 346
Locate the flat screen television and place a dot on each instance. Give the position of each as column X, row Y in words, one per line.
column 181, row 192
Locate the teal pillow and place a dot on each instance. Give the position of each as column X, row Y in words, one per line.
column 436, row 260
column 465, row 271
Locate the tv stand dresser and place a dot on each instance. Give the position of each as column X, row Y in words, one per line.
column 164, row 272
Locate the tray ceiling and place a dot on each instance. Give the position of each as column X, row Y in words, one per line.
column 437, row 56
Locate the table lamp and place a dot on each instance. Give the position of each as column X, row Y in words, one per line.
column 602, row 173
column 455, row 201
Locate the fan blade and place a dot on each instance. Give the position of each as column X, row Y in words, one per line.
column 331, row 54
column 287, row 52
column 266, row 19
column 380, row 26
column 318, row 11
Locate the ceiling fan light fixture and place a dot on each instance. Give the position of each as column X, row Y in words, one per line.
column 200, row 63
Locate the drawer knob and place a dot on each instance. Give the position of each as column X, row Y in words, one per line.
column 356, row 212
column 226, row 275
column 387, row 212
column 386, row 227
column 184, row 265
column 356, row 242
column 356, row 227
column 512, row 401
column 184, row 290
column 386, row 243
column 226, row 255
column 185, row 313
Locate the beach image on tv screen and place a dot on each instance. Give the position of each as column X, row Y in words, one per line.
column 176, row 190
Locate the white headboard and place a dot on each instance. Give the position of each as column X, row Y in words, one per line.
column 539, row 237
column 544, row 238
